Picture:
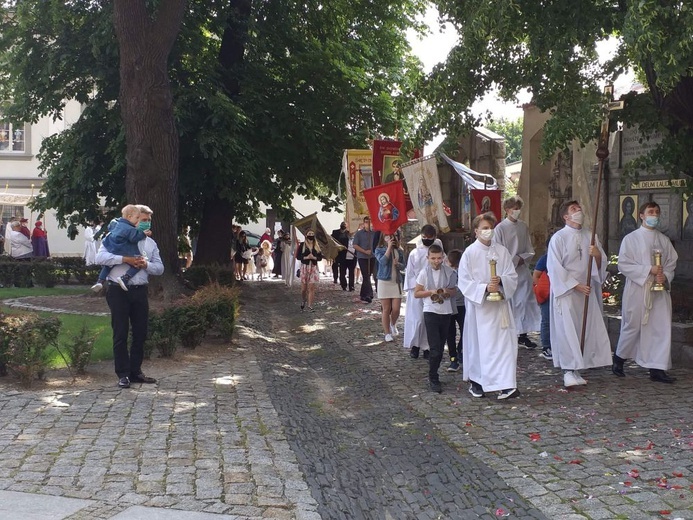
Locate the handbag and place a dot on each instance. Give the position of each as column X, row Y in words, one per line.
column 542, row 287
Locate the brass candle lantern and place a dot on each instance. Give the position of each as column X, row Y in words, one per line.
column 495, row 296
column 657, row 254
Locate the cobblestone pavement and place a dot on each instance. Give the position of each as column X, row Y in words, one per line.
column 311, row 415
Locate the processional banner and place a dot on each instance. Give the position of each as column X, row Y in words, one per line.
column 423, row 183
column 328, row 245
column 488, row 200
column 386, row 206
column 357, row 168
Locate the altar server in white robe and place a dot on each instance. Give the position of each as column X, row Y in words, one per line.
column 489, row 350
column 569, row 252
column 415, row 338
column 646, row 314
column 513, row 234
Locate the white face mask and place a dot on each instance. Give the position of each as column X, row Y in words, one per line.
column 486, row 234
column 515, row 214
column 577, row 217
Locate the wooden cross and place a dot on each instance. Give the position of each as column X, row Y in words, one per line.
column 609, row 106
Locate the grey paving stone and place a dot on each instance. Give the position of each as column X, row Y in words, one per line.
column 29, row 506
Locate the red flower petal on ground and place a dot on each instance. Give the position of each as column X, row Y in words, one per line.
column 534, row 437
column 500, row 512
column 627, row 483
column 634, row 473
column 371, row 451
column 677, row 474
column 576, row 461
column 665, row 512
column 561, row 458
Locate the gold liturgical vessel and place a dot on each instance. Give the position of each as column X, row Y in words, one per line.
column 493, row 296
column 657, row 262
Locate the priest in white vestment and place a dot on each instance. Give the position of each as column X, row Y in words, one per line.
column 415, row 338
column 569, row 252
column 513, row 234
column 646, row 314
column 489, row 352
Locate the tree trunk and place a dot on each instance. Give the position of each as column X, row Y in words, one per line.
column 214, row 240
column 146, row 105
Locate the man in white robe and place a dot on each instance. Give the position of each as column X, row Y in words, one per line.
column 415, row 338
column 569, row 252
column 489, row 350
column 646, row 314
column 513, row 234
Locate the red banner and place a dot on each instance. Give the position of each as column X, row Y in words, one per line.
column 386, row 206
column 488, row 200
column 385, row 153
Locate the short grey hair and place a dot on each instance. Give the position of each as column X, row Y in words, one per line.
column 145, row 209
column 15, row 223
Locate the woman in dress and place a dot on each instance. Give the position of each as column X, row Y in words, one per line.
column 241, row 256
column 309, row 254
column 390, row 259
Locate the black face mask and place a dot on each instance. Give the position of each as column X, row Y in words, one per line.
column 310, row 239
column 428, row 241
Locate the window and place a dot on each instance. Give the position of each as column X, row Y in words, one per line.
column 12, row 138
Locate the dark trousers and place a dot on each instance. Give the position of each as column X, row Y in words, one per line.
column 128, row 308
column 367, row 266
column 335, row 270
column 347, row 266
column 457, row 321
column 437, row 327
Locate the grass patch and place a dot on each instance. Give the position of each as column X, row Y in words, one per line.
column 71, row 323
column 20, row 292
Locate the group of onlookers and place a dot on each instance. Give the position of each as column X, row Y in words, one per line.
column 20, row 243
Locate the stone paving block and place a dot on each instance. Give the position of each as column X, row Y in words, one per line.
column 26, row 506
column 150, row 513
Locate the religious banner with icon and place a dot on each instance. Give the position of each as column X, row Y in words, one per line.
column 357, row 168
column 328, row 245
column 386, row 206
column 386, row 161
column 423, row 183
column 488, row 200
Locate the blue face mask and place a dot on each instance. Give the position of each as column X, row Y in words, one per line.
column 144, row 226
column 651, row 221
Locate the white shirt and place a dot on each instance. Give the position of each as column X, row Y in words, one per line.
column 19, row 244
column 148, row 249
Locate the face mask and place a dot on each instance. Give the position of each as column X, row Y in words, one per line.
column 428, row 241
column 515, row 214
column 486, row 234
column 577, row 217
column 144, row 226
column 310, row 238
column 651, row 221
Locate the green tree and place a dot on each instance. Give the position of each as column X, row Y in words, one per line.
column 550, row 48
column 265, row 95
column 512, row 131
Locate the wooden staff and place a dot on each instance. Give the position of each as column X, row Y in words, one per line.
column 602, row 155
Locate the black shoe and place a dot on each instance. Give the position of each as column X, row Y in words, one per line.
column 351, row 289
column 414, row 352
column 524, row 341
column 124, row 382
column 141, row 378
column 427, row 354
column 476, row 390
column 661, row 376
column 435, row 386
column 617, row 367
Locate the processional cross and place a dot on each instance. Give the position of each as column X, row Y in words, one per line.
column 602, row 154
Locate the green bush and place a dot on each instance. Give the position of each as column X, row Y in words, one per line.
column 25, row 341
column 191, row 323
column 162, row 333
column 45, row 274
column 79, row 349
column 219, row 305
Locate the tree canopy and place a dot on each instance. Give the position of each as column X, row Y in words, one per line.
column 512, row 131
column 550, row 48
column 265, row 96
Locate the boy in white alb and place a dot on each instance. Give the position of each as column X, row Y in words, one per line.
column 435, row 284
column 489, row 352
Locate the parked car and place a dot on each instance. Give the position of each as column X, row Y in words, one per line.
column 253, row 238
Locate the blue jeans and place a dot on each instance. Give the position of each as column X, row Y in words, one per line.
column 545, row 331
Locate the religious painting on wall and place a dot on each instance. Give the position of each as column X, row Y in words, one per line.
column 629, row 208
column 687, row 222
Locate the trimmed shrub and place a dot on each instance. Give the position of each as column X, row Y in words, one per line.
column 191, row 322
column 219, row 305
column 25, row 340
column 162, row 333
column 80, row 348
column 45, row 274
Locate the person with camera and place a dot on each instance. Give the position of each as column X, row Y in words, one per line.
column 390, row 261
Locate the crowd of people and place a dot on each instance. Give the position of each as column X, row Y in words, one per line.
column 21, row 243
column 481, row 303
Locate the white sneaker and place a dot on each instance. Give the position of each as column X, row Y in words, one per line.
column 389, row 338
column 97, row 287
column 580, row 380
column 569, row 379
column 122, row 283
column 394, row 331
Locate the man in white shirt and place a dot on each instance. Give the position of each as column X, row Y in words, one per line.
column 20, row 245
column 131, row 307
